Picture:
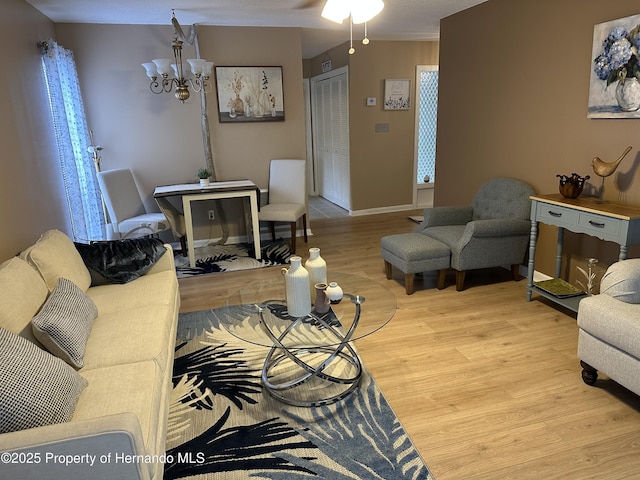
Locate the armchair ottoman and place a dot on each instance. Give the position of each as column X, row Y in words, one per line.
column 413, row 253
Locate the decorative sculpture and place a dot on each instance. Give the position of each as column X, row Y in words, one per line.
column 605, row 169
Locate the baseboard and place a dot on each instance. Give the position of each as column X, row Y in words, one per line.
column 374, row 211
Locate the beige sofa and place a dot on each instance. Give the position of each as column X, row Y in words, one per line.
column 118, row 426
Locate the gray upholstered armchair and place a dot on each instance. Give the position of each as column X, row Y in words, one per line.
column 492, row 232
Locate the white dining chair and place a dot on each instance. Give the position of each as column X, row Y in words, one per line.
column 287, row 196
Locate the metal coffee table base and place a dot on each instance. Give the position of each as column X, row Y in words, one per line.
column 312, row 375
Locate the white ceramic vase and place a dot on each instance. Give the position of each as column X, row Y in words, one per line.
column 296, row 282
column 317, row 268
column 334, row 292
column 628, row 94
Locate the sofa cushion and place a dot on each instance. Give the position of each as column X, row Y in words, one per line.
column 142, row 333
column 137, row 387
column 36, row 388
column 121, row 261
column 54, row 255
column 64, row 323
column 158, row 289
column 23, row 292
column 622, row 281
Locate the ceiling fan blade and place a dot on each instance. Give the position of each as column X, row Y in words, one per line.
column 309, row 4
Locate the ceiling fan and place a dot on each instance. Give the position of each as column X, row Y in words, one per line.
column 310, row 4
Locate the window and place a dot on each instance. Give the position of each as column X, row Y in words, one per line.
column 82, row 192
column 427, row 106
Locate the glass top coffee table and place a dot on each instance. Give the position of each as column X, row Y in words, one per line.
column 311, row 360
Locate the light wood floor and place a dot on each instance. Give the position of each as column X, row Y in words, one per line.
column 487, row 384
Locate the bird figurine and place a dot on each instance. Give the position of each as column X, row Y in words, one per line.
column 604, row 169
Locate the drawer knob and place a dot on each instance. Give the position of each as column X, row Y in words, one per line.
column 554, row 214
column 596, row 224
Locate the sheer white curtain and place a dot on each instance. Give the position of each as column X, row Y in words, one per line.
column 72, row 137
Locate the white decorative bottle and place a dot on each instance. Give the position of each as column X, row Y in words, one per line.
column 296, row 281
column 317, row 268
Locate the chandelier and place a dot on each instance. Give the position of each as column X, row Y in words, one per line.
column 357, row 11
column 196, row 78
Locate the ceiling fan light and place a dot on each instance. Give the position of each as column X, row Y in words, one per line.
column 364, row 10
column 336, row 10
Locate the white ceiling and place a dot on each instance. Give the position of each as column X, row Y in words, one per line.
column 399, row 20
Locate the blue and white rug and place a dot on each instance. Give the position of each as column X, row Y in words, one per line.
column 228, row 427
column 228, row 258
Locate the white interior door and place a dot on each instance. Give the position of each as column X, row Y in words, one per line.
column 330, row 118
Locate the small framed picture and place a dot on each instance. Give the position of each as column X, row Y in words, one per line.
column 250, row 94
column 397, row 94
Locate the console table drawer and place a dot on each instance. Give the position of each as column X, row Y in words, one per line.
column 557, row 215
column 599, row 224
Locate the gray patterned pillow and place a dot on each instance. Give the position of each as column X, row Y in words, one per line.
column 36, row 388
column 64, row 322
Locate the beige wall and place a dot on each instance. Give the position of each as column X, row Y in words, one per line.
column 29, row 203
column 381, row 163
column 513, row 102
column 159, row 138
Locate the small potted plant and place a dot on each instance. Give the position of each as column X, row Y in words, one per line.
column 203, row 174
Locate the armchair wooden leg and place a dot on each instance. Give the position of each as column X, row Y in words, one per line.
column 388, row 269
column 293, row 237
column 460, row 280
column 183, row 245
column 442, row 273
column 408, row 282
column 272, row 226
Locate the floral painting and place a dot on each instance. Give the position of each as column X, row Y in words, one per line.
column 615, row 69
column 250, row 94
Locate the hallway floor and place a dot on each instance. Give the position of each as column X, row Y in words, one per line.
column 320, row 207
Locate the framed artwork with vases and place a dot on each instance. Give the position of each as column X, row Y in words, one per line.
column 250, row 94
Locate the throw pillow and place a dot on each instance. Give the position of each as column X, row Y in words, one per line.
column 121, row 261
column 22, row 294
column 622, row 281
column 36, row 388
column 64, row 322
column 54, row 256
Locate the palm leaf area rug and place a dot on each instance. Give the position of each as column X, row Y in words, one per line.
column 224, row 425
column 227, row 258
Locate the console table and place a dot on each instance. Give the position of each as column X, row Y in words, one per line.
column 611, row 221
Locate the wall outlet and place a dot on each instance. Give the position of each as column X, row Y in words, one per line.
column 212, row 215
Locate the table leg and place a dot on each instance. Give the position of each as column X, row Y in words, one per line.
column 188, row 223
column 532, row 257
column 623, row 253
column 253, row 198
column 559, row 251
